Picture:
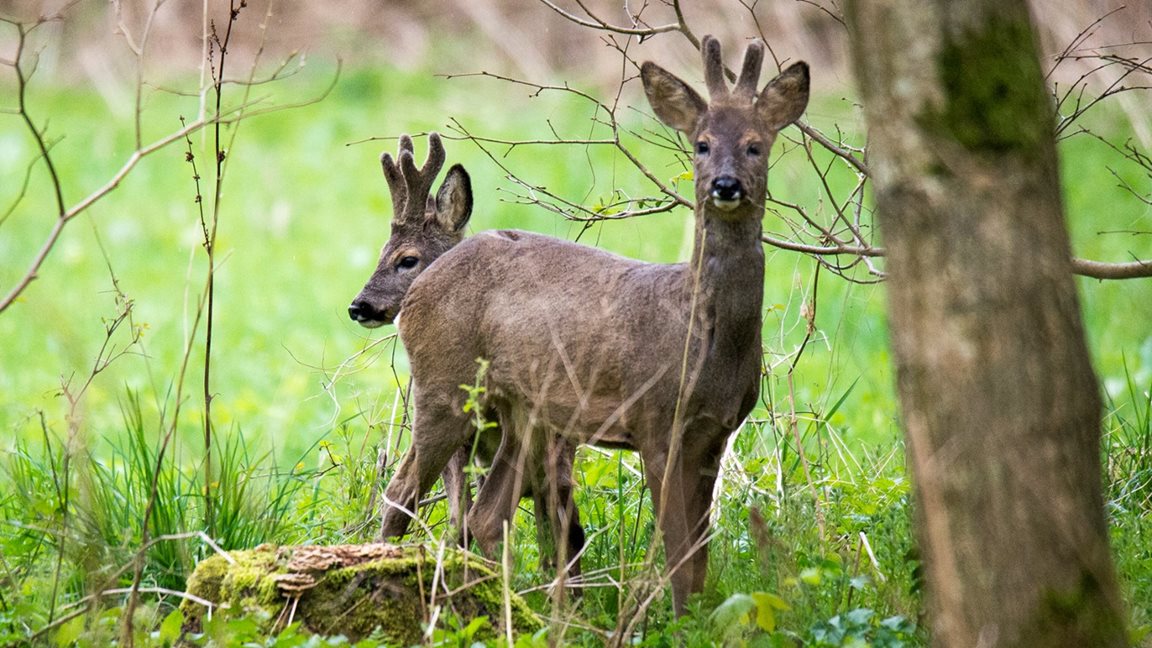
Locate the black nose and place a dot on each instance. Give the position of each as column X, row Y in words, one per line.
column 361, row 310
column 726, row 188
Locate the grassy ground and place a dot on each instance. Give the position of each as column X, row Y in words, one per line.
column 304, row 399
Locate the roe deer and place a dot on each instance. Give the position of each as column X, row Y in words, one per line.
column 588, row 347
column 422, row 229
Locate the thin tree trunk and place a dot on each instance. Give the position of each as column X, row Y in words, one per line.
column 1000, row 403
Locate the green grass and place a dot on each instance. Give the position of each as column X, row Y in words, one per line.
column 305, row 399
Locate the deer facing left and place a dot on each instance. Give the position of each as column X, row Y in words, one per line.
column 423, row 228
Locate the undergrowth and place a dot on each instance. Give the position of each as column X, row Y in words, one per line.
column 786, row 565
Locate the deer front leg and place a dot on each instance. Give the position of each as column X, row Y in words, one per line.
column 682, row 502
column 437, row 433
column 699, row 506
column 665, row 483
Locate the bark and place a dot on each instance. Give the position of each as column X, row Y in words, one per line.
column 1000, row 403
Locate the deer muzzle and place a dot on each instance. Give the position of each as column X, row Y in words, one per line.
column 727, row 192
column 368, row 316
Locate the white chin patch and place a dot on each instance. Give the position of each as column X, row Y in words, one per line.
column 367, row 323
column 726, row 205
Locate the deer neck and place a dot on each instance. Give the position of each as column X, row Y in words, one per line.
column 726, row 279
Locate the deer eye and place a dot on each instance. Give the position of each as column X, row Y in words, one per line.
column 754, row 149
column 701, row 147
column 407, row 262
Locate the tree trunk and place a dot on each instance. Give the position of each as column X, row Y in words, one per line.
column 1000, row 404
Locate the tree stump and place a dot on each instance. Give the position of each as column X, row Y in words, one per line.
column 353, row 590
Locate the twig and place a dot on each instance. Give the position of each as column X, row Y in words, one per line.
column 597, row 23
column 82, row 603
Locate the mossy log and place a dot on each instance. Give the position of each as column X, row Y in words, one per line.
column 353, row 590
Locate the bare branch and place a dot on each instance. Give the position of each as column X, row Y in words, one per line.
column 595, row 22
column 65, row 214
column 837, row 149
column 1099, row 270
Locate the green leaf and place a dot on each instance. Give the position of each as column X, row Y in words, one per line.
column 771, row 600
column 733, row 612
column 69, row 632
column 605, row 210
column 474, row 626
column 170, row 626
column 811, row 576
column 766, row 618
column 766, row 605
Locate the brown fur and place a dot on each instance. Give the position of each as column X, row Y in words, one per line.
column 588, row 347
column 423, row 229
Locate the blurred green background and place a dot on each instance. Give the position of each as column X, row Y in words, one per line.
column 305, row 210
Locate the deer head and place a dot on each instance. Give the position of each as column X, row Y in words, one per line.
column 732, row 135
column 423, row 228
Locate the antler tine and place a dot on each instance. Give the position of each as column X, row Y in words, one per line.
column 419, row 185
column 406, row 143
column 396, row 186
column 408, row 169
column 713, row 68
column 750, row 73
column 411, row 174
column 435, row 160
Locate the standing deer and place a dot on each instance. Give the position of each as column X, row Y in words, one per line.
column 423, row 228
column 585, row 346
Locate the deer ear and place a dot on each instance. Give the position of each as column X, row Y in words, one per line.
column 454, row 200
column 784, row 98
column 675, row 103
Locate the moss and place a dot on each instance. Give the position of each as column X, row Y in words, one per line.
column 388, row 595
column 1077, row 616
column 994, row 97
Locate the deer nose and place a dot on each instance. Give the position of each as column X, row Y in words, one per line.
column 726, row 189
column 363, row 312
column 358, row 310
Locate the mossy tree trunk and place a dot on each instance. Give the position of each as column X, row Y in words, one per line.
column 1000, row 403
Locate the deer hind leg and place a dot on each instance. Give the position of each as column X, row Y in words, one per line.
column 514, row 466
column 459, row 492
column 458, row 482
column 558, row 530
column 439, row 430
